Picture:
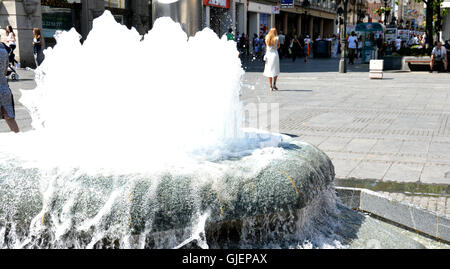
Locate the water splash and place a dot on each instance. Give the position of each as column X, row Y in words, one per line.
column 131, row 106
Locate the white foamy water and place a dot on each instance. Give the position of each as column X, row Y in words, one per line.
column 129, row 103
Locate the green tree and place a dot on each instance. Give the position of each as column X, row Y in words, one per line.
column 433, row 22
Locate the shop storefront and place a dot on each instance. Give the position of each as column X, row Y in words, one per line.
column 261, row 18
column 59, row 15
column 218, row 15
column 52, row 16
column 445, row 34
column 62, row 15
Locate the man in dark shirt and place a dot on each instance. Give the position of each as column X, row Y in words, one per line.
column 379, row 43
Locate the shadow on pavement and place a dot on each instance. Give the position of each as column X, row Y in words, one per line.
column 299, row 66
column 294, row 90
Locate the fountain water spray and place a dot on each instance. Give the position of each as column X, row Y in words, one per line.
column 133, row 105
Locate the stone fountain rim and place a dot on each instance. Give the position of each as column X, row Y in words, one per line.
column 403, row 214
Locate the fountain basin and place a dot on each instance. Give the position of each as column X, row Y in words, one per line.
column 63, row 208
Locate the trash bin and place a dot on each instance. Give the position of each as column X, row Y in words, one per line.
column 322, row 49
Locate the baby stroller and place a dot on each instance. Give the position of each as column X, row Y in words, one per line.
column 11, row 71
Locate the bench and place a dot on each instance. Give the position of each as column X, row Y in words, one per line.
column 424, row 65
column 419, row 65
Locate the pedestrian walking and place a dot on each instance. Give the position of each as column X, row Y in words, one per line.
column 307, row 47
column 282, row 39
column 7, row 111
column 36, row 44
column 11, row 40
column 230, row 36
column 398, row 43
column 262, row 43
column 247, row 45
column 295, row 47
column 352, row 45
column 255, row 44
column 359, row 48
column 272, row 59
column 380, row 46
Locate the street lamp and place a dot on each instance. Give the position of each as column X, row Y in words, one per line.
column 361, row 15
column 387, row 4
column 342, row 12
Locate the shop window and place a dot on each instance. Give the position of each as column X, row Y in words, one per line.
column 115, row 3
column 59, row 15
column 264, row 23
column 120, row 9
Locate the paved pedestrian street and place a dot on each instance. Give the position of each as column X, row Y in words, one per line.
column 395, row 129
column 392, row 130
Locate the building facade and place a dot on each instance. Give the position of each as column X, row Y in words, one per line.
column 242, row 16
column 445, row 34
column 411, row 14
column 53, row 15
column 372, row 7
column 312, row 17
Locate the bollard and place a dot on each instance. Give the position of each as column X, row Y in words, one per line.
column 376, row 69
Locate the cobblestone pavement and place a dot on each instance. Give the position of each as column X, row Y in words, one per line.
column 437, row 204
column 25, row 83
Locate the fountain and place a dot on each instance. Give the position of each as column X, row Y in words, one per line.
column 157, row 158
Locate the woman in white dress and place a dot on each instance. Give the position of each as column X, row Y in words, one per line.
column 272, row 68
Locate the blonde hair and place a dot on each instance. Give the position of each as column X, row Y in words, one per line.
column 271, row 37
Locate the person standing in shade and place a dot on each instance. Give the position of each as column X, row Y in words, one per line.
column 359, row 48
column 256, row 47
column 380, row 45
column 7, row 111
column 262, row 43
column 36, row 44
column 272, row 67
column 296, row 48
column 307, row 48
column 282, row 39
column 398, row 43
column 335, row 42
column 352, row 45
